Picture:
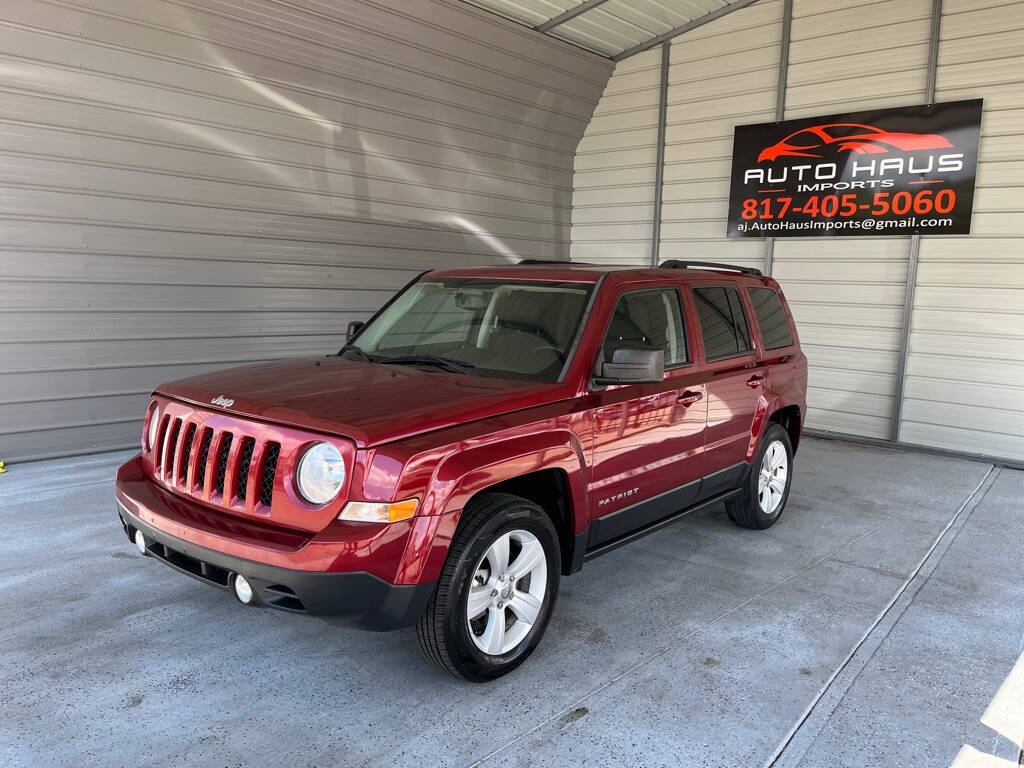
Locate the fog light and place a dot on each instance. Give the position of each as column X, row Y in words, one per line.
column 140, row 542
column 243, row 590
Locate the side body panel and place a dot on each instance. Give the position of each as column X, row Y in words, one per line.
column 648, row 438
column 734, row 386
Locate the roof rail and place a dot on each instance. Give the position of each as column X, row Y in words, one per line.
column 678, row 264
column 542, row 262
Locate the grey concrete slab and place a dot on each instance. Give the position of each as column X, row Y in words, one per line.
column 921, row 698
column 698, row 644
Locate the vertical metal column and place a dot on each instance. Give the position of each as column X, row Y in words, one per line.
column 659, row 167
column 780, row 104
column 915, row 241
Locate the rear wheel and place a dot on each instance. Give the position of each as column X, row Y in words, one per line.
column 496, row 591
column 764, row 497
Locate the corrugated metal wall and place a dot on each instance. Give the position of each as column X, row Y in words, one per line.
column 721, row 74
column 965, row 367
column 186, row 186
column 965, row 372
column 613, row 189
column 847, row 295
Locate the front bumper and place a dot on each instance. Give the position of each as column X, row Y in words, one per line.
column 353, row 599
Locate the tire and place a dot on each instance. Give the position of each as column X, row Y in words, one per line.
column 760, row 507
column 471, row 648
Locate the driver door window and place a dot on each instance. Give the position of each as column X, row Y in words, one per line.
column 648, row 319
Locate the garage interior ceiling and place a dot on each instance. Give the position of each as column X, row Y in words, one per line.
column 617, row 29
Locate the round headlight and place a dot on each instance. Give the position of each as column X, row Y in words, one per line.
column 154, row 422
column 321, row 473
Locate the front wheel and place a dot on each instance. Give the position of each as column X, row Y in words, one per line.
column 764, row 497
column 496, row 591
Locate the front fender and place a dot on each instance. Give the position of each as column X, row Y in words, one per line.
column 463, row 473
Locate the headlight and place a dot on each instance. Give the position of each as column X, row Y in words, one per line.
column 154, row 422
column 321, row 473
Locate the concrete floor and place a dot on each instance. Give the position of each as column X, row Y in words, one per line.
column 833, row 639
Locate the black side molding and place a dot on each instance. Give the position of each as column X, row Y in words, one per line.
column 603, row 549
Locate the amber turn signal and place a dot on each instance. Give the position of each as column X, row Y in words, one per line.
column 379, row 512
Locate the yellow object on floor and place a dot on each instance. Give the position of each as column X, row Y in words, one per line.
column 2, row 468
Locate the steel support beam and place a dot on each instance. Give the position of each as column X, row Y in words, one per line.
column 915, row 241
column 780, row 104
column 698, row 22
column 569, row 15
column 659, row 167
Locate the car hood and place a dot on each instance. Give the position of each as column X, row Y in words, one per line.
column 368, row 402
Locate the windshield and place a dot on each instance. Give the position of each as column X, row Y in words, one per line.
column 521, row 330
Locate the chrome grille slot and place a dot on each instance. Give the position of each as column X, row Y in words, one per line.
column 159, row 445
column 182, row 465
column 244, row 462
column 268, row 473
column 170, row 447
column 222, row 462
column 204, row 455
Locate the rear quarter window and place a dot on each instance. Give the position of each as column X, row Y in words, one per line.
column 723, row 325
column 771, row 317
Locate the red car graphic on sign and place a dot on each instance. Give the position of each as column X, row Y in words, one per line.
column 849, row 137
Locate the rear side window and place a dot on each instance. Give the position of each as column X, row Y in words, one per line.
column 648, row 319
column 723, row 325
column 771, row 317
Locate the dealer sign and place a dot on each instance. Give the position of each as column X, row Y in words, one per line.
column 883, row 171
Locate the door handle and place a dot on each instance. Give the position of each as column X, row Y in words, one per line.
column 755, row 381
column 689, row 397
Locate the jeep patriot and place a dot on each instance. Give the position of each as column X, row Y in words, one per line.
column 484, row 434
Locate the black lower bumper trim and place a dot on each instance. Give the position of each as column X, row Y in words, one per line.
column 353, row 599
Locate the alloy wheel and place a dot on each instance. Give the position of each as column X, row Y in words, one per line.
column 507, row 592
column 771, row 482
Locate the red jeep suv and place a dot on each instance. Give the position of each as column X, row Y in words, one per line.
column 484, row 434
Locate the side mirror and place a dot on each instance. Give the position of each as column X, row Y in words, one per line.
column 353, row 329
column 632, row 366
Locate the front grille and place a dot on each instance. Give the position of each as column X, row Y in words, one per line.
column 214, row 464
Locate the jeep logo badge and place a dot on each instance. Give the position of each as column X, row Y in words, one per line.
column 223, row 402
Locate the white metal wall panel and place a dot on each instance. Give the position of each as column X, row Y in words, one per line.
column 847, row 293
column 964, row 387
column 613, row 187
column 720, row 74
column 186, row 186
column 965, row 372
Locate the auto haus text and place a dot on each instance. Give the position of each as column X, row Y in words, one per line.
column 856, row 173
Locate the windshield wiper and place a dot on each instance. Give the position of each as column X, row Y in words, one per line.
column 447, row 363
